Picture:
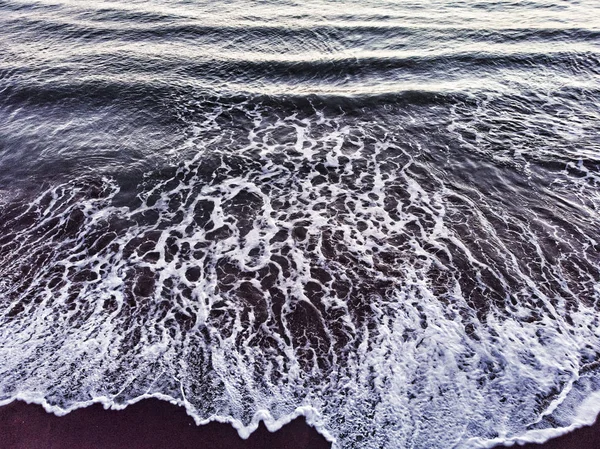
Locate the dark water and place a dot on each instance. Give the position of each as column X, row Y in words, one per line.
column 381, row 215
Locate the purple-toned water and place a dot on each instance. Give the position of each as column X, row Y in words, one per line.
column 381, row 215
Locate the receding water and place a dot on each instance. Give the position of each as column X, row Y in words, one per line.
column 381, row 215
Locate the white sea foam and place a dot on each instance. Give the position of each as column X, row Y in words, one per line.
column 313, row 264
column 311, row 416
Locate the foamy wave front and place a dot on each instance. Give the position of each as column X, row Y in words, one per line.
column 317, row 264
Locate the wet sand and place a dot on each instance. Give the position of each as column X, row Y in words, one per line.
column 582, row 438
column 154, row 424
column 149, row 424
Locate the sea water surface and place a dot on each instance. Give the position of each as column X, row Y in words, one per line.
column 384, row 215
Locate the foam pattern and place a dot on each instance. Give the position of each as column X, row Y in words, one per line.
column 315, row 260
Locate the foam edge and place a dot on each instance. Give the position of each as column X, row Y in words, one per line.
column 585, row 415
column 310, row 414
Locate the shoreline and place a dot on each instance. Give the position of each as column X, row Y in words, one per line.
column 154, row 423
column 147, row 424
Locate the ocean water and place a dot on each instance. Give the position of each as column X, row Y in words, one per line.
column 382, row 215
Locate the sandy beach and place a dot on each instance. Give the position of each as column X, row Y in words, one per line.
column 154, row 424
column 149, row 424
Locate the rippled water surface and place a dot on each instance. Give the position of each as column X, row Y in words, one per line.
column 382, row 215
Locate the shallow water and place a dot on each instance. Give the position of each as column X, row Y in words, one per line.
column 381, row 215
